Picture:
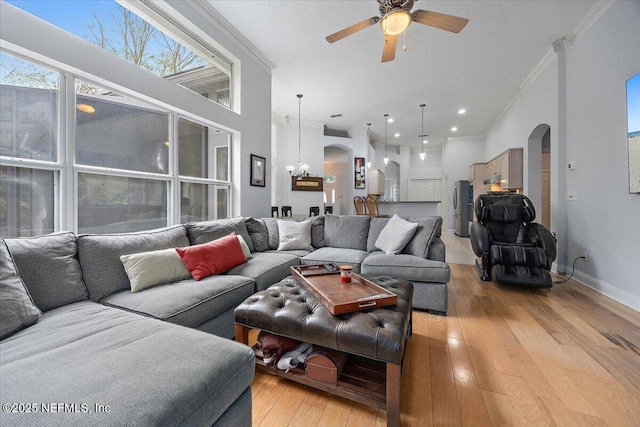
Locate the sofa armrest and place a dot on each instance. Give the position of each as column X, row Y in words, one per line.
column 437, row 250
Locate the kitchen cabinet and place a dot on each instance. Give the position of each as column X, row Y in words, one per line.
column 477, row 172
column 510, row 169
column 421, row 190
column 375, row 182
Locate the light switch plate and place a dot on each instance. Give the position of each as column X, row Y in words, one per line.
column 572, row 195
column 571, row 166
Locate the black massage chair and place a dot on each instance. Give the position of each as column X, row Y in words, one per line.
column 513, row 250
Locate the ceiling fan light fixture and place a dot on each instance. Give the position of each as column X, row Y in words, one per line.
column 396, row 21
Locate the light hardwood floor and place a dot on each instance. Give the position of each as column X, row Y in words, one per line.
column 565, row 356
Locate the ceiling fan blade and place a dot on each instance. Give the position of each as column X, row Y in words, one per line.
column 440, row 20
column 389, row 51
column 352, row 29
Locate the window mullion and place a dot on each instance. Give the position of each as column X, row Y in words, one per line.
column 174, row 193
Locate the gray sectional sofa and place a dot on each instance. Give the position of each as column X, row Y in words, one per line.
column 78, row 347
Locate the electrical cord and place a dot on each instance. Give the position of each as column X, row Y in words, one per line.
column 573, row 269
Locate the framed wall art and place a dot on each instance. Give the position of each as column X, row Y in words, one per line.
column 258, row 165
column 359, row 171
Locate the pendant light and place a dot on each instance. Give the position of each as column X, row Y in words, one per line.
column 386, row 154
column 422, row 136
column 302, row 169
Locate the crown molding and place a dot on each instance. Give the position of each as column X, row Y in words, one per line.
column 594, row 14
column 211, row 15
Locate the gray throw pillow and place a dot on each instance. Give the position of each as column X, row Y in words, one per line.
column 428, row 228
column 49, row 268
column 395, row 235
column 17, row 310
column 258, row 234
column 207, row 231
column 317, row 231
column 346, row 231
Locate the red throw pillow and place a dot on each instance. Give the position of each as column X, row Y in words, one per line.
column 214, row 257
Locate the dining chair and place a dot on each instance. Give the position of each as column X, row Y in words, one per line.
column 361, row 208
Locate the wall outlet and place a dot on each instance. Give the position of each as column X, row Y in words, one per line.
column 571, row 166
column 586, row 256
column 572, row 195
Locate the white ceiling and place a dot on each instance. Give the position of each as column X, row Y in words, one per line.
column 479, row 69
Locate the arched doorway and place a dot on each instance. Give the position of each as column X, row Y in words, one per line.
column 392, row 181
column 538, row 187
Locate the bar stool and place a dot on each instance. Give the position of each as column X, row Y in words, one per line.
column 328, row 210
column 286, row 211
column 274, row 211
column 314, row 211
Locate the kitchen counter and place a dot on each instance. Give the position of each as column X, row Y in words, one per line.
column 409, row 208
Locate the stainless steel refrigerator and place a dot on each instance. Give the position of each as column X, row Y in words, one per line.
column 461, row 196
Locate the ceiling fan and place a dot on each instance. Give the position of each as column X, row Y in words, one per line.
column 395, row 17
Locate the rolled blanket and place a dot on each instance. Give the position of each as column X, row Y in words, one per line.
column 292, row 358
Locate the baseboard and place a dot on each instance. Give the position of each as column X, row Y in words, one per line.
column 607, row 289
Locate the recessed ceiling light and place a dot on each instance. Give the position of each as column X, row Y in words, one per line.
column 462, row 111
column 390, row 120
column 397, row 134
column 454, row 129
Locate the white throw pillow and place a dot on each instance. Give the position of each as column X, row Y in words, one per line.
column 395, row 235
column 244, row 246
column 294, row 235
column 147, row 269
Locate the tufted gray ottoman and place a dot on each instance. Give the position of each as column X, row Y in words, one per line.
column 371, row 338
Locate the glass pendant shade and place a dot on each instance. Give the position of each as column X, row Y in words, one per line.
column 301, row 169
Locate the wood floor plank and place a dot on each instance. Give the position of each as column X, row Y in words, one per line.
column 523, row 402
column 564, row 356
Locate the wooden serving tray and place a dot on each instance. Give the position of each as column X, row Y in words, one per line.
column 323, row 281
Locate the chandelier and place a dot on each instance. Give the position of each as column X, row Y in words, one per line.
column 301, row 169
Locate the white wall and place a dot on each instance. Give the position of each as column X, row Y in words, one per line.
column 605, row 218
column 458, row 154
column 313, row 143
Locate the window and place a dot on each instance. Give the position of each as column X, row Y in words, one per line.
column 94, row 160
column 26, row 201
column 170, row 52
column 119, row 132
column 114, row 204
column 28, row 110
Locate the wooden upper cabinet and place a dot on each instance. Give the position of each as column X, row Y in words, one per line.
column 511, row 169
column 507, row 165
column 478, row 172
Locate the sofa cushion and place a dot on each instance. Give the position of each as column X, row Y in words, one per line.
column 17, row 310
column 266, row 268
column 211, row 258
column 395, row 235
column 407, row 267
column 346, row 231
column 375, row 227
column 317, row 231
column 150, row 373
column 99, row 255
column 294, row 235
column 257, row 230
column 206, row 231
column 188, row 302
column 49, row 268
column 336, row 255
column 428, row 229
